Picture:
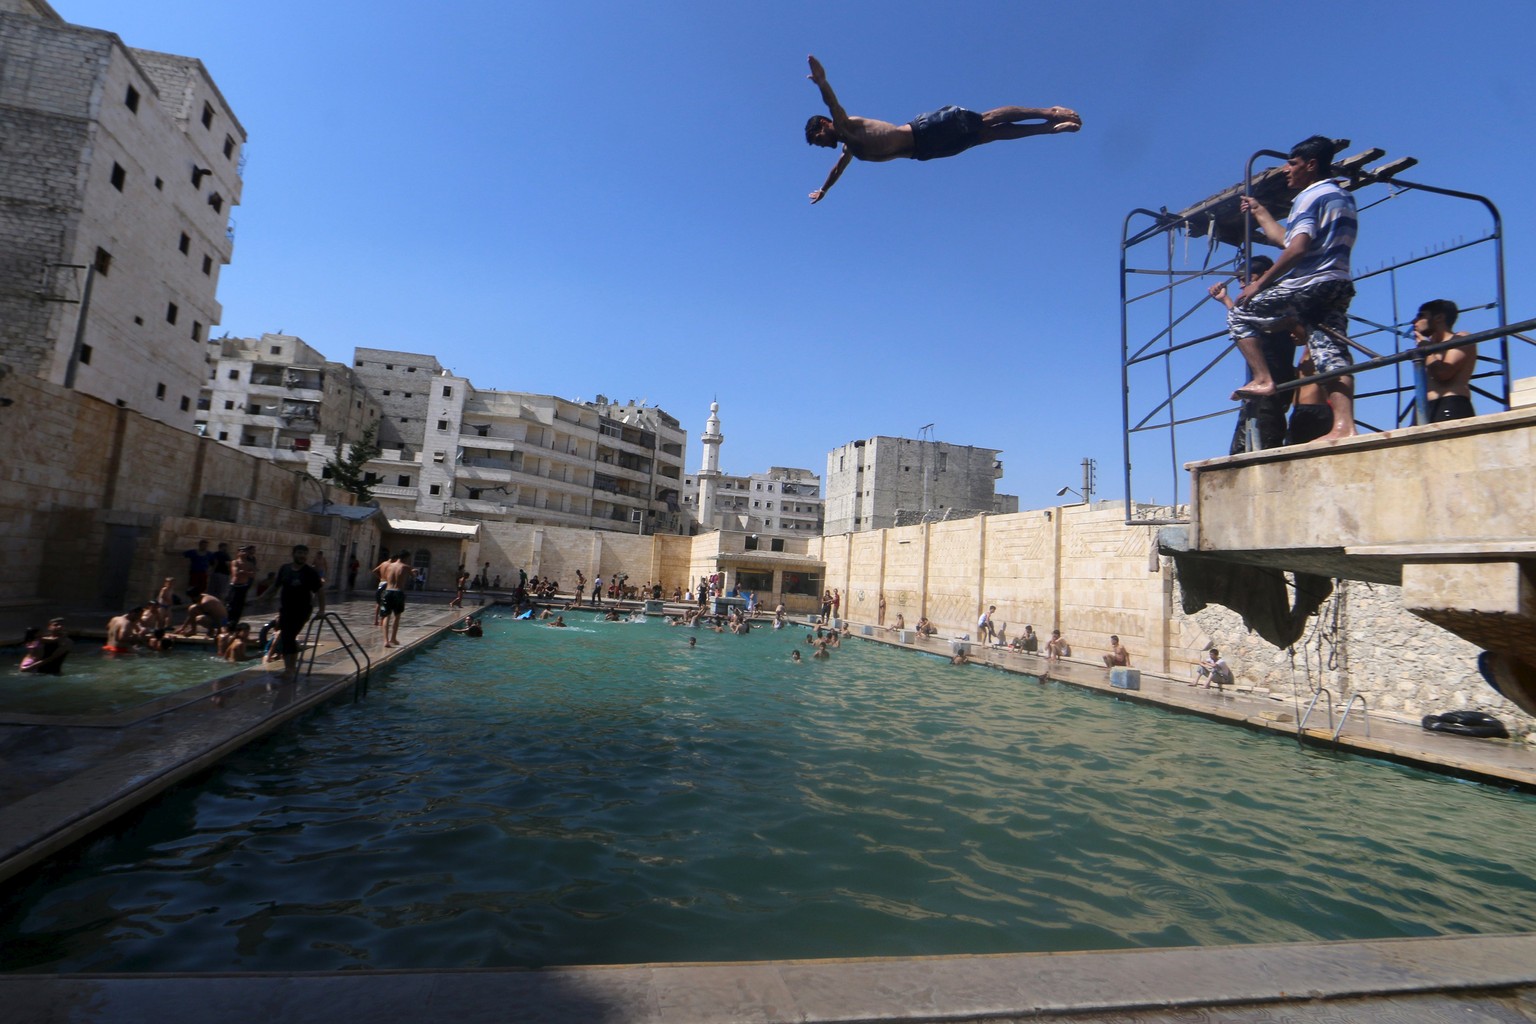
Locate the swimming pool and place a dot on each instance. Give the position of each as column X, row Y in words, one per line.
column 604, row 794
column 94, row 683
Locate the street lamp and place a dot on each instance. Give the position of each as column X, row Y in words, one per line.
column 1075, row 491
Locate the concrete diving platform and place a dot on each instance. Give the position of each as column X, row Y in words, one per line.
column 1446, row 511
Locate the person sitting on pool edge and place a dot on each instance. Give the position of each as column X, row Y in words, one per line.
column 1118, row 656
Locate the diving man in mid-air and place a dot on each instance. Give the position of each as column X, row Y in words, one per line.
column 944, row 132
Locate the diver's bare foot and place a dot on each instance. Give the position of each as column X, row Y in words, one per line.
column 1248, row 391
column 1064, row 127
column 1335, row 435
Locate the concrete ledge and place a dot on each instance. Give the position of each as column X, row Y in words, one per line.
column 1347, row 976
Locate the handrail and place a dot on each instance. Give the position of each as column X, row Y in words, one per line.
column 1364, row 710
column 349, row 644
column 1301, row 726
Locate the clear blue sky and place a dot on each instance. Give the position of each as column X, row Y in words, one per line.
column 604, row 197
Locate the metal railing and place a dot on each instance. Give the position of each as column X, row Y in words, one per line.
column 346, row 639
column 1166, row 390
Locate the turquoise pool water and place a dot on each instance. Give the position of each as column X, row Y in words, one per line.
column 94, row 683
column 604, row 794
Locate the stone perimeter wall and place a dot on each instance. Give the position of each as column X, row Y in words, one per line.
column 1089, row 574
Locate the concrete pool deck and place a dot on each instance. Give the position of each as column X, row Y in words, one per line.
column 64, row 779
column 1481, row 979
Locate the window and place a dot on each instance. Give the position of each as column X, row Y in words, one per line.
column 751, row 542
column 407, row 394
column 131, row 100
column 277, row 350
column 410, row 369
column 229, row 146
column 776, row 544
column 139, row 320
column 207, row 115
column 447, row 392
column 103, row 262
column 185, row 404
column 438, row 456
column 442, row 424
column 197, row 330
column 234, row 374
column 217, row 202
column 387, row 366
column 185, row 243
column 85, row 354
column 404, row 481
column 388, row 392
column 435, row 489
column 207, row 266
column 224, row 436
column 160, row 184
column 118, row 176
column 171, row 312
column 229, row 405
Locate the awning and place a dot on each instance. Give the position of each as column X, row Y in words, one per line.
column 447, row 531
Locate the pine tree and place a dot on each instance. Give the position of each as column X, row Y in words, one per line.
column 348, row 471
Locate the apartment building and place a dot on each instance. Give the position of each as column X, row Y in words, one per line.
column 783, row 502
column 451, row 449
column 869, row 481
column 272, row 395
column 118, row 172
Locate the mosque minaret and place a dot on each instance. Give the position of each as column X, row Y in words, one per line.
column 709, row 475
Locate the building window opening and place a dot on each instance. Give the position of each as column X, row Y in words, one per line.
column 119, row 176
column 131, row 99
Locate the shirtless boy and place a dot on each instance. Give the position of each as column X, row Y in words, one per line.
column 207, row 611
column 1118, row 656
column 394, row 574
column 944, row 132
column 1449, row 372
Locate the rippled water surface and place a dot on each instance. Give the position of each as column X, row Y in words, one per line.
column 94, row 683
column 605, row 794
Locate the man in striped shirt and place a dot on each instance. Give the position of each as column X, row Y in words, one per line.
column 1309, row 282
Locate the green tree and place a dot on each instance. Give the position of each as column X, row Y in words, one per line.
column 349, row 471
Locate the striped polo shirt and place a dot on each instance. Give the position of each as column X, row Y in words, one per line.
column 1325, row 212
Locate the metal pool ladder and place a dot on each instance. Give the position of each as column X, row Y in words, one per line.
column 348, row 642
column 1365, row 711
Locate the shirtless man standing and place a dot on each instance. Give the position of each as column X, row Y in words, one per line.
column 944, row 132
column 1449, row 373
column 394, row 574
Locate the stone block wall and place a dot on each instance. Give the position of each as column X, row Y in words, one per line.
column 97, row 502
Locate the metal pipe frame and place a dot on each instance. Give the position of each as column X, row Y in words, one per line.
column 1163, row 344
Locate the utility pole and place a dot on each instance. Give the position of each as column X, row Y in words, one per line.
column 1088, row 477
column 925, row 439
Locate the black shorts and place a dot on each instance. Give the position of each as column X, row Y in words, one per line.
column 393, row 602
column 1450, row 407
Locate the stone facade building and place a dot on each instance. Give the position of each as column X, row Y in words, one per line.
column 117, row 176
column 271, row 395
column 869, row 481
